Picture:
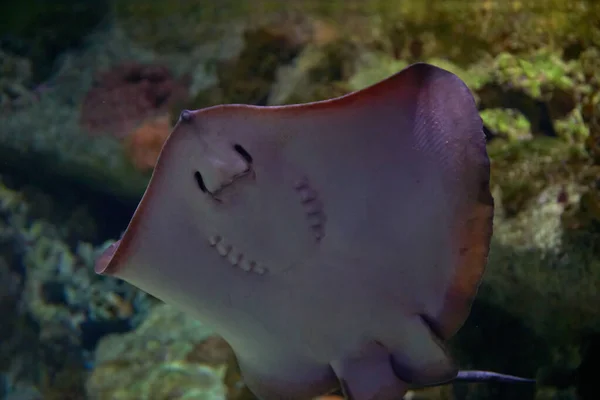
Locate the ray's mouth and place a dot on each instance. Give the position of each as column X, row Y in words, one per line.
column 216, row 193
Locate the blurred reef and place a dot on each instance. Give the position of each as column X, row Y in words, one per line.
column 89, row 91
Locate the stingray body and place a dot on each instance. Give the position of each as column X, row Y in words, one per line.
column 332, row 244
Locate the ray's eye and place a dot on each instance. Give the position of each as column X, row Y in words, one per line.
column 200, row 181
column 242, row 152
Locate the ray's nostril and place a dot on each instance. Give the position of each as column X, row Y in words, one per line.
column 242, row 152
column 200, row 181
column 186, row 116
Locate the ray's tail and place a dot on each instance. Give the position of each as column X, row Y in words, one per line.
column 488, row 376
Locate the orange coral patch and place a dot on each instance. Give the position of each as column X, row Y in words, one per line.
column 143, row 145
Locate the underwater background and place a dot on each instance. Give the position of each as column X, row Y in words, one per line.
column 89, row 90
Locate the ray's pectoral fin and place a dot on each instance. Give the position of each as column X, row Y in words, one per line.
column 289, row 380
column 418, row 355
column 369, row 375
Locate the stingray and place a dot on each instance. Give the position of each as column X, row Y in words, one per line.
column 334, row 244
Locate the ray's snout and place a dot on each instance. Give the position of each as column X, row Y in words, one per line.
column 102, row 263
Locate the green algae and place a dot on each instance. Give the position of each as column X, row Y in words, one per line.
column 543, row 87
column 572, row 127
column 536, row 74
column 507, row 123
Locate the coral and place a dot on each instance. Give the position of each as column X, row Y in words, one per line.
column 64, row 306
column 572, row 127
column 582, row 222
column 151, row 23
column 538, row 275
column 63, row 292
column 41, row 31
column 61, row 289
column 11, row 287
column 464, row 32
column 145, row 143
column 200, row 21
column 522, row 169
column 156, row 361
column 15, row 82
column 248, row 77
column 46, row 143
column 590, row 60
column 533, row 71
column 540, row 83
column 127, row 94
column 593, row 120
column 322, row 72
column 537, row 299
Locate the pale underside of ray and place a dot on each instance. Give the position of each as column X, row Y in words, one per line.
column 339, row 242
